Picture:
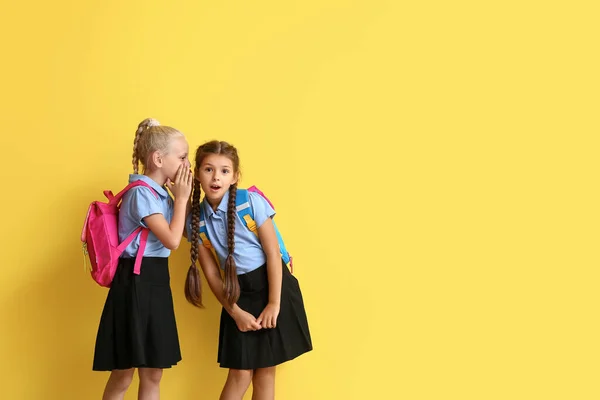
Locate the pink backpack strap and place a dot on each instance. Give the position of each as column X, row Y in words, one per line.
column 144, row 236
column 140, row 253
column 257, row 190
column 138, row 258
column 116, row 198
column 129, row 239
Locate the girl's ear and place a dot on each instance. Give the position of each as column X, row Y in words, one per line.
column 237, row 177
column 157, row 159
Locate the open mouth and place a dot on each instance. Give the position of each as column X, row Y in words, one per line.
column 215, row 187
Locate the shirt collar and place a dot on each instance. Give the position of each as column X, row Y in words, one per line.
column 159, row 189
column 222, row 205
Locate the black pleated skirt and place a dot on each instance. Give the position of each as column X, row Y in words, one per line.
column 265, row 347
column 137, row 328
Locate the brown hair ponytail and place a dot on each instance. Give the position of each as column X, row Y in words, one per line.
column 193, row 287
column 232, row 286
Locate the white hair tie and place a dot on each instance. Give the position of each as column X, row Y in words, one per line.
column 152, row 122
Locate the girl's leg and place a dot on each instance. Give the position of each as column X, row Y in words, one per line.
column 149, row 383
column 263, row 384
column 237, row 383
column 117, row 384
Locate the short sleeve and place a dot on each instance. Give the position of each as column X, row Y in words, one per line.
column 261, row 208
column 142, row 203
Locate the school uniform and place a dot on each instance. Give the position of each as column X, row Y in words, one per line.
column 266, row 347
column 138, row 328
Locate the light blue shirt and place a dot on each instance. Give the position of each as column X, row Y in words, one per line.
column 248, row 253
column 138, row 203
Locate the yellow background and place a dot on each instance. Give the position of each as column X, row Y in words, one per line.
column 433, row 164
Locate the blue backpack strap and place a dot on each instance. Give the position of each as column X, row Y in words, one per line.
column 245, row 213
column 204, row 234
column 284, row 253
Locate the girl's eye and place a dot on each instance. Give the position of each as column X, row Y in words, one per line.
column 225, row 171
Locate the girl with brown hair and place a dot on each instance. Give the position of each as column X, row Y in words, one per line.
column 263, row 321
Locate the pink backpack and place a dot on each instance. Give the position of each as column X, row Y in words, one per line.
column 100, row 237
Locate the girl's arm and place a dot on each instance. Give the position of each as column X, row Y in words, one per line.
column 170, row 234
column 245, row 321
column 270, row 245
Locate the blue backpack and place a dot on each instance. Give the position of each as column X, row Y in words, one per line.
column 244, row 210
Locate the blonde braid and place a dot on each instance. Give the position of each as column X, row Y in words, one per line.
column 145, row 124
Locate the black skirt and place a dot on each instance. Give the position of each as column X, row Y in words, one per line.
column 137, row 328
column 265, row 347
